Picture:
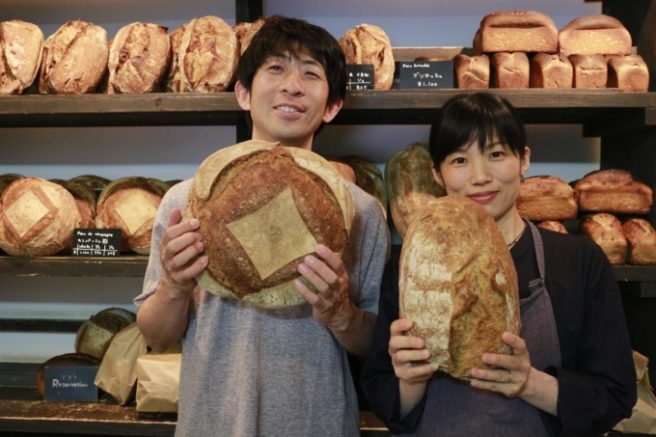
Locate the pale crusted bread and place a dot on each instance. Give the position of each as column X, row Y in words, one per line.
column 457, row 284
column 551, row 71
column 37, row 218
column 472, row 72
column 516, row 31
column 245, row 31
column 642, row 241
column 628, row 73
column 590, row 71
column 345, row 170
column 262, row 208
column 553, row 225
column 410, row 184
column 21, row 48
column 546, row 198
column 74, row 59
column 613, row 190
column 510, row 70
column 369, row 44
column 139, row 58
column 606, row 230
column 594, row 35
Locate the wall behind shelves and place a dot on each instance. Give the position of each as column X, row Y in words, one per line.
column 174, row 152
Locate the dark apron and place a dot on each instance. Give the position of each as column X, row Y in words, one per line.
column 454, row 408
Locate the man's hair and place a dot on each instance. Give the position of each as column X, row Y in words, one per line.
column 281, row 35
column 477, row 117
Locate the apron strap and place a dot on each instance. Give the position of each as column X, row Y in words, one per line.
column 539, row 248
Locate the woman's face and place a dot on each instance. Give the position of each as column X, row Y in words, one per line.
column 490, row 177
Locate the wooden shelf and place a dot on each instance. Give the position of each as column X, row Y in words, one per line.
column 124, row 266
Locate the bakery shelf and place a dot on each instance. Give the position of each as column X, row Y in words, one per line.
column 123, row 266
column 39, row 325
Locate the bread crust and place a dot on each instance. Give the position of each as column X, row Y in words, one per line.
column 552, row 71
column 510, row 70
column 606, row 230
column 472, row 72
column 590, row 71
column 553, row 225
column 642, row 241
column 628, row 73
column 594, row 35
column 546, row 198
column 614, row 191
column 516, row 31
column 21, row 49
column 369, row 44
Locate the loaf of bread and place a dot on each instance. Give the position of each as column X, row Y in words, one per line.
column 410, row 184
column 65, row 360
column 139, row 58
column 553, row 225
column 510, row 70
column 606, row 230
column 245, row 31
column 628, row 73
column 85, row 200
column 21, row 47
column 345, row 170
column 613, row 191
column 94, row 335
column 262, row 208
column 458, row 287
column 546, row 198
column 369, row 178
column 590, row 71
column 205, row 55
column 594, row 35
column 642, row 241
column 130, row 204
column 369, row 44
column 74, row 59
column 472, row 72
column 516, row 31
column 551, row 71
column 37, row 218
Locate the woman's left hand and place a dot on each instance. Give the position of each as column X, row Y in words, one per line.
column 508, row 374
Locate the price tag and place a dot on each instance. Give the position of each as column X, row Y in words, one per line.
column 421, row 75
column 96, row 242
column 74, row 383
column 360, row 77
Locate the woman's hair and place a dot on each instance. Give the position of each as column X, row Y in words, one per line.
column 477, row 117
column 281, row 35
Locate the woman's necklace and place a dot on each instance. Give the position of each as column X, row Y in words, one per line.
column 516, row 239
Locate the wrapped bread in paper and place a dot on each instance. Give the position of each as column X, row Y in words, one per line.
column 158, row 381
column 458, row 285
column 74, row 59
column 21, row 47
column 130, row 204
column 369, row 44
column 262, row 208
column 37, row 218
column 138, row 58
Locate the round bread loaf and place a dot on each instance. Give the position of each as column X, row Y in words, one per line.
column 37, row 218
column 457, row 284
column 21, row 48
column 546, row 198
column 130, row 204
column 245, row 31
column 369, row 44
column 94, row 335
column 65, row 360
column 262, row 208
column 642, row 241
column 85, row 200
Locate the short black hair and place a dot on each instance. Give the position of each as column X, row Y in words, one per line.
column 280, row 35
column 475, row 117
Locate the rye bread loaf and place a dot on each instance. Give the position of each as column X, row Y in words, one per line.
column 594, row 35
column 457, row 284
column 516, row 31
column 642, row 241
column 472, row 72
column 606, row 230
column 628, row 73
column 74, row 59
column 21, row 48
column 369, row 44
column 37, row 218
column 139, row 59
column 546, row 198
column 410, row 184
column 613, row 190
column 550, row 71
column 510, row 70
column 262, row 208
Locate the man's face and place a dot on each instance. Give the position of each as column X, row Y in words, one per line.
column 288, row 100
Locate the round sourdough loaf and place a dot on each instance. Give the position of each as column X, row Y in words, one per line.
column 94, row 335
column 369, row 44
column 85, row 199
column 21, row 47
column 458, row 285
column 642, row 241
column 262, row 208
column 37, row 218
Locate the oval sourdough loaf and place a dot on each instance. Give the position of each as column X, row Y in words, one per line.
column 457, row 283
column 369, row 44
column 262, row 208
column 642, row 241
column 606, row 230
column 546, row 198
column 613, row 190
column 21, row 47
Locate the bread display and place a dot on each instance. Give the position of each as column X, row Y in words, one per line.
column 139, row 58
column 64, row 360
column 37, row 218
column 262, row 208
column 85, row 200
column 472, row 72
column 130, row 204
column 516, row 31
column 74, row 59
column 94, row 335
column 614, row 191
column 628, row 73
column 550, row 71
column 590, row 71
column 245, row 31
column 458, row 287
column 642, row 241
column 410, row 184
column 594, row 35
column 21, row 47
column 510, row 70
column 606, row 230
column 546, row 198
column 369, row 44
column 553, row 225
column 205, row 55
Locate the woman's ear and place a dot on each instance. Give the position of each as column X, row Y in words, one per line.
column 243, row 96
column 438, row 177
column 526, row 161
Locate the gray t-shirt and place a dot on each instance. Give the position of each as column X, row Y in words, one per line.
column 248, row 371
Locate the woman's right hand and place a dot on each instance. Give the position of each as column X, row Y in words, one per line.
column 409, row 355
column 181, row 256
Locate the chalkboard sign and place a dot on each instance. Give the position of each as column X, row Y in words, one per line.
column 73, row 383
column 96, row 242
column 421, row 75
column 360, row 77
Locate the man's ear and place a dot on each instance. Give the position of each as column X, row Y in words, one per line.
column 526, row 161
column 437, row 176
column 331, row 110
column 243, row 96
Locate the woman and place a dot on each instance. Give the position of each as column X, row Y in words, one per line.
column 570, row 371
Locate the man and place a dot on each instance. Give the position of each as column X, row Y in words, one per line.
column 247, row 371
